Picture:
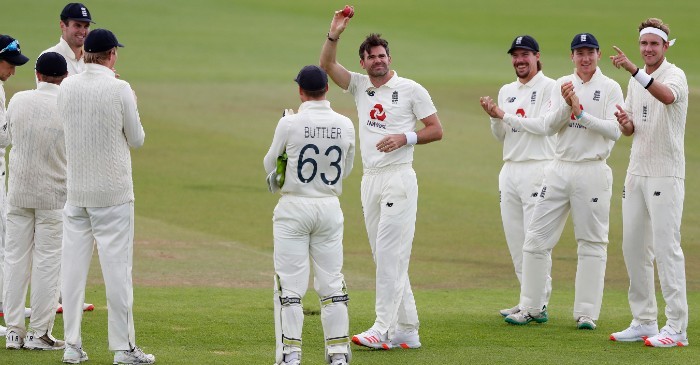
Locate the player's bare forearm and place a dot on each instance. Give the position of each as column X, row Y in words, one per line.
column 432, row 131
column 328, row 62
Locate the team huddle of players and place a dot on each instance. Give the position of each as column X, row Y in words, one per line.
column 556, row 134
column 70, row 189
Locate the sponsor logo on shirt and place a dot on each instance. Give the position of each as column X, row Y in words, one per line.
column 377, row 116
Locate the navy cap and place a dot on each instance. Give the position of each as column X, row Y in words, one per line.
column 584, row 40
column 100, row 40
column 76, row 11
column 524, row 42
column 10, row 52
column 51, row 64
column 312, row 78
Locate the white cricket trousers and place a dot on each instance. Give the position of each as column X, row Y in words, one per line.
column 390, row 202
column 584, row 189
column 112, row 229
column 652, row 208
column 3, row 222
column 311, row 229
column 519, row 185
column 33, row 250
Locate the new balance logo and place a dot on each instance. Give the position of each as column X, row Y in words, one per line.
column 657, row 193
column 594, row 200
column 534, row 195
column 511, row 99
column 370, row 92
column 389, row 205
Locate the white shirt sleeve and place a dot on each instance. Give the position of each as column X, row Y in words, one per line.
column 350, row 156
column 608, row 126
column 279, row 143
column 133, row 130
column 423, row 106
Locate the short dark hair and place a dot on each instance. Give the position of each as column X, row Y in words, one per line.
column 373, row 40
column 315, row 94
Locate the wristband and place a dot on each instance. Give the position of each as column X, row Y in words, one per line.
column 578, row 117
column 635, row 72
column 650, row 82
column 643, row 78
column 411, row 138
column 331, row 39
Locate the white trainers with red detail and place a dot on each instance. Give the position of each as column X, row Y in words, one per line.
column 406, row 339
column 372, row 338
column 668, row 337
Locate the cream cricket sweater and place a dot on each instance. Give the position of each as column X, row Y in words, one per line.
column 38, row 154
column 101, row 122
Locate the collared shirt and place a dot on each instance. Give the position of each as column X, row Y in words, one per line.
column 590, row 138
column 524, row 100
column 659, row 129
column 75, row 66
column 320, row 147
column 393, row 108
column 3, row 132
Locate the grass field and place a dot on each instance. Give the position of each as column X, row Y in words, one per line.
column 212, row 78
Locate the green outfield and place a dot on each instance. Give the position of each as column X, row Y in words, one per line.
column 212, row 78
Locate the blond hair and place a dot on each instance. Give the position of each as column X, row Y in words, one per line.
column 655, row 23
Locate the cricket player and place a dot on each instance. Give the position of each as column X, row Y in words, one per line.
column 388, row 108
column 75, row 25
column 654, row 113
column 526, row 152
column 10, row 57
column 579, row 180
column 308, row 221
column 101, row 122
column 36, row 196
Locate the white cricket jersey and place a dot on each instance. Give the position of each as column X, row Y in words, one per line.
column 75, row 66
column 659, row 130
column 524, row 100
column 393, row 108
column 3, row 132
column 320, row 146
column 592, row 137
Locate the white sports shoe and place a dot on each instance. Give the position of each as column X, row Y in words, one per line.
column 74, row 355
column 135, row 356
column 13, row 341
column 372, row 339
column 634, row 333
column 45, row 342
column 668, row 338
column 406, row 339
column 585, row 323
column 27, row 312
column 525, row 317
column 3, row 330
column 508, row 311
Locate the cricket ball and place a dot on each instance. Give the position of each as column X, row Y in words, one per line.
column 348, row 12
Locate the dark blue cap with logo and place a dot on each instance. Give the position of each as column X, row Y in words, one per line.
column 10, row 52
column 312, row 78
column 524, row 42
column 51, row 64
column 101, row 40
column 76, row 11
column 584, row 40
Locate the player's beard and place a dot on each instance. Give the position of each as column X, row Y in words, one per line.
column 378, row 71
column 522, row 74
